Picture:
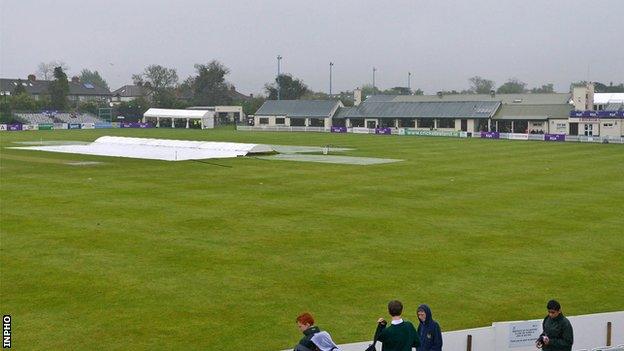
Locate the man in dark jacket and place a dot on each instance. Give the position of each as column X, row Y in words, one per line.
column 428, row 331
column 557, row 330
column 400, row 335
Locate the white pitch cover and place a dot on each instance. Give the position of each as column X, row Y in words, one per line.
column 156, row 149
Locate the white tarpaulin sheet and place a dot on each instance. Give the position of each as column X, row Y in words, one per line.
column 156, row 149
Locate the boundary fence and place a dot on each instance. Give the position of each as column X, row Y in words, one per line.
column 440, row 133
column 66, row 126
column 354, row 130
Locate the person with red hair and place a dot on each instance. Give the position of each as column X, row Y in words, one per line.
column 313, row 338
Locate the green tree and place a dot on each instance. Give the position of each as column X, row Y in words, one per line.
column 544, row 89
column 93, row 77
column 23, row 102
column 603, row 88
column 397, row 91
column 88, row 106
column 368, row 90
column 315, row 95
column 161, row 82
column 479, row 85
column 290, row 88
column 19, row 88
column 46, row 70
column 209, row 86
column 134, row 109
column 59, row 88
column 448, row 92
column 252, row 105
column 512, row 86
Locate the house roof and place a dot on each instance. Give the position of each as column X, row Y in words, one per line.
column 614, row 106
column 437, row 109
column 39, row 87
column 533, row 112
column 130, row 91
column 298, row 108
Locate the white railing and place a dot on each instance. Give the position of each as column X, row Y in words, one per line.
column 282, row 129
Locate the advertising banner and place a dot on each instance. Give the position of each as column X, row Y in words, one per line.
column 135, row 125
column 14, row 127
column 360, row 130
column 103, row 125
column 338, row 129
column 490, row 135
column 60, row 126
column 3, row 127
column 385, row 131
column 74, row 126
column 30, row 127
column 46, row 126
column 88, row 126
column 518, row 136
column 425, row 132
column 608, row 114
column 583, row 113
column 554, row 137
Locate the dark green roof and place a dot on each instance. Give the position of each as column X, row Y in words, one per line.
column 375, row 109
column 534, row 112
column 298, row 108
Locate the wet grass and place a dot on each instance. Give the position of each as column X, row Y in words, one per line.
column 143, row 254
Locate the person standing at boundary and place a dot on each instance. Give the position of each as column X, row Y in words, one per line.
column 428, row 330
column 313, row 338
column 400, row 335
column 557, row 334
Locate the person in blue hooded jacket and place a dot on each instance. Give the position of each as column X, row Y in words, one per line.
column 428, row 331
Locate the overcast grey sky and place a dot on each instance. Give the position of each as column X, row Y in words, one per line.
column 442, row 42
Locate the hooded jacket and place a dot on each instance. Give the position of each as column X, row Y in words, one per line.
column 429, row 332
column 306, row 343
column 559, row 331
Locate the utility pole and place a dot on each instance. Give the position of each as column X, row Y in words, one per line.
column 409, row 78
column 374, row 70
column 331, row 64
column 279, row 87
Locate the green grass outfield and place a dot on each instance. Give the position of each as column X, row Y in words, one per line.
column 140, row 254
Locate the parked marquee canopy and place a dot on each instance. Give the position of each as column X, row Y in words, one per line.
column 175, row 114
column 205, row 117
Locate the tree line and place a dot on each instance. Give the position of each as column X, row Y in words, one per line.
column 208, row 86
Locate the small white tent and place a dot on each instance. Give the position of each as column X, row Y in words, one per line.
column 206, row 117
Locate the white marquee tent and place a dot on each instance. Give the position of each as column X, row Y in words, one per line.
column 206, row 117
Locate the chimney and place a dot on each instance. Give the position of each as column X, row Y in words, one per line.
column 32, row 77
column 75, row 79
column 357, row 96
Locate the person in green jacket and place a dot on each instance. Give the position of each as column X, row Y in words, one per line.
column 400, row 335
column 557, row 332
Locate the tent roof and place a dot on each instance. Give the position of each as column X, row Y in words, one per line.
column 171, row 113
